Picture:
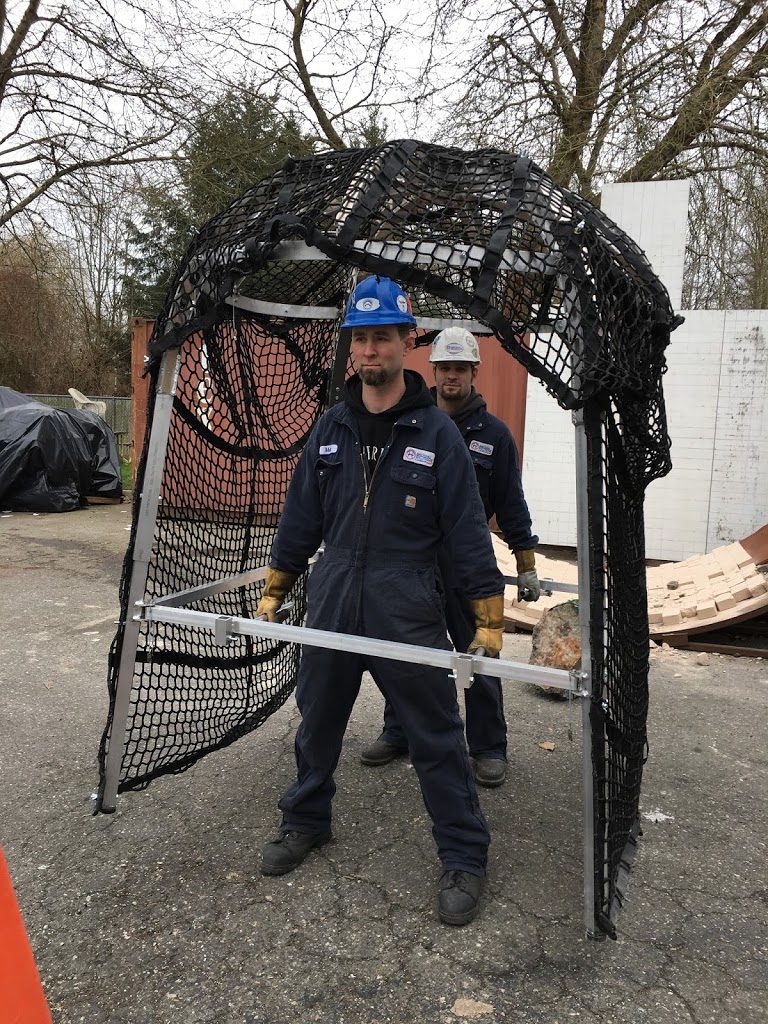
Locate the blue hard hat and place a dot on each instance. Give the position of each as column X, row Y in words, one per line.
column 378, row 300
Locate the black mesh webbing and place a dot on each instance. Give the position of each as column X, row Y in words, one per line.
column 487, row 235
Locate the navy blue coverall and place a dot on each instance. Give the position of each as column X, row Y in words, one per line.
column 378, row 578
column 497, row 466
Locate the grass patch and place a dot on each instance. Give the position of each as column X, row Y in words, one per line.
column 125, row 473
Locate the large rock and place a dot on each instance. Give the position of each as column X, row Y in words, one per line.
column 557, row 641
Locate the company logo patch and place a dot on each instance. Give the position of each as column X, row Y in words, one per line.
column 328, row 449
column 366, row 305
column 410, row 501
column 481, row 447
column 419, row 456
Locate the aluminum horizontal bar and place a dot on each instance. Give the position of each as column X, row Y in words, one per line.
column 436, row 323
column 415, row 251
column 284, row 309
column 547, row 586
column 278, row 309
column 391, row 650
column 456, row 255
column 183, row 597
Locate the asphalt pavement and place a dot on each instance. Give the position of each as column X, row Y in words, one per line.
column 158, row 913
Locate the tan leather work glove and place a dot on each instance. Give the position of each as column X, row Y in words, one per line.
column 528, row 586
column 276, row 586
column 489, row 624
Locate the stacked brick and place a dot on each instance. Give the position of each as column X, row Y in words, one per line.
column 700, row 593
column 705, row 590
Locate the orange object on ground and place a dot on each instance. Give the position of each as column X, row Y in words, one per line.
column 21, row 994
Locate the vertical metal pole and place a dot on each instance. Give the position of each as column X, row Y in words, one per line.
column 583, row 556
column 145, row 532
column 338, row 368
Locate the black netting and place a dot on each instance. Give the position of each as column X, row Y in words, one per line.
column 485, row 237
column 619, row 642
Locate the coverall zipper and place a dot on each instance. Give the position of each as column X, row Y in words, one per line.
column 367, row 486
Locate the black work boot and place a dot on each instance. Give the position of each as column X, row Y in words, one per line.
column 380, row 753
column 288, row 851
column 490, row 771
column 459, row 897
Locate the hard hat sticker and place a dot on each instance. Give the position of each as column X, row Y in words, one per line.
column 378, row 301
column 455, row 344
column 419, row 456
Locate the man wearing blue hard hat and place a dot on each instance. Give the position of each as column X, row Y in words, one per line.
column 387, row 482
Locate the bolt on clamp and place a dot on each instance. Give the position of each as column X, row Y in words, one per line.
column 578, row 677
column 463, row 673
column 222, row 627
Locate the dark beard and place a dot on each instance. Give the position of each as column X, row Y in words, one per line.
column 455, row 399
column 374, row 378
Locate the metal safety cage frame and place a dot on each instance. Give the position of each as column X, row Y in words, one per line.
column 601, row 385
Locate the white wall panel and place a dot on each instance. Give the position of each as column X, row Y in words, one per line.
column 716, row 393
column 739, row 491
column 655, row 215
column 677, row 507
column 549, row 468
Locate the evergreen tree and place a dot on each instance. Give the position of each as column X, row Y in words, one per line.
column 233, row 142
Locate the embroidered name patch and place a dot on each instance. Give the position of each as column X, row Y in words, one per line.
column 410, row 501
column 419, row 456
column 328, row 449
column 481, row 447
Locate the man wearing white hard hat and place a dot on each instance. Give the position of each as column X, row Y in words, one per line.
column 455, row 358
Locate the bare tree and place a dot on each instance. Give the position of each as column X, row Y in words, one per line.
column 84, row 85
column 712, row 278
column 93, row 237
column 594, row 91
column 753, row 236
column 597, row 91
column 39, row 323
column 340, row 64
column 63, row 321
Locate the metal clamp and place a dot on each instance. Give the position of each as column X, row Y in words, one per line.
column 547, row 587
column 222, row 630
column 463, row 671
column 317, row 556
column 578, row 677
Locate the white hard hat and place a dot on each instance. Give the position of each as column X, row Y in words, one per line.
column 455, row 345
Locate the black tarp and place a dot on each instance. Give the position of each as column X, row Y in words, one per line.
column 53, row 460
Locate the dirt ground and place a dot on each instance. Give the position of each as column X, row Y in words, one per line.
column 158, row 914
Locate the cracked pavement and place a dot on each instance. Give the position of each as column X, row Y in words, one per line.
column 158, row 913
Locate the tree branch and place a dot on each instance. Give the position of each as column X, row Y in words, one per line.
column 561, row 35
column 634, row 17
column 112, row 160
column 580, row 113
column 14, row 45
column 299, row 14
column 697, row 113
